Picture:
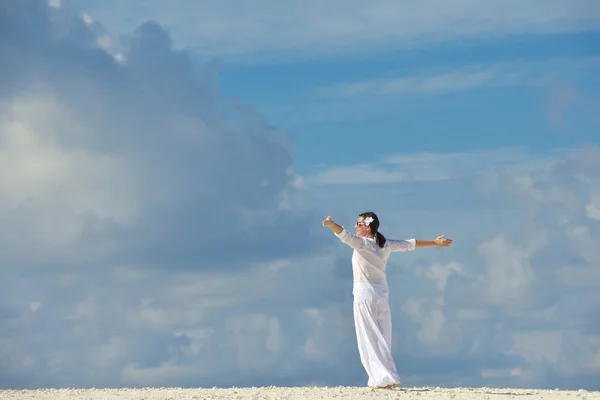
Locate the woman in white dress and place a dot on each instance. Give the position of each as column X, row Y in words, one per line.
column 372, row 318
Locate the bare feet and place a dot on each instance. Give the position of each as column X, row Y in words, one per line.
column 395, row 385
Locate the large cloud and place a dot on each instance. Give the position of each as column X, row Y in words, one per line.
column 136, row 201
column 136, row 159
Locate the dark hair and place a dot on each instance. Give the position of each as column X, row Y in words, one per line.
column 374, row 225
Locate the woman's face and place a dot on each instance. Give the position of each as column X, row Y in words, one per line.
column 361, row 228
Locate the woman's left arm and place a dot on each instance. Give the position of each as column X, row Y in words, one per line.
column 440, row 241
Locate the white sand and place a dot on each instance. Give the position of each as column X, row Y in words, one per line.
column 308, row 393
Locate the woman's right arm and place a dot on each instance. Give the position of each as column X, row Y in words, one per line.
column 344, row 235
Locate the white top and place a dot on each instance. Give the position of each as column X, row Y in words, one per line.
column 369, row 260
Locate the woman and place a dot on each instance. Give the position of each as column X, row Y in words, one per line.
column 372, row 318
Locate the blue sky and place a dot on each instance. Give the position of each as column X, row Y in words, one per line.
column 482, row 89
column 165, row 169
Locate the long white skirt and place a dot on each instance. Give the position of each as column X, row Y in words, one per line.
column 373, row 323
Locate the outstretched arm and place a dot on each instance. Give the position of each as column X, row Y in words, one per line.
column 350, row 239
column 337, row 229
column 411, row 244
column 440, row 241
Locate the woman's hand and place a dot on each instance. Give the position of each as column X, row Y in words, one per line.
column 327, row 221
column 332, row 225
column 442, row 241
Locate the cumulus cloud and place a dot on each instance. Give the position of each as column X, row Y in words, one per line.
column 136, row 201
column 138, row 156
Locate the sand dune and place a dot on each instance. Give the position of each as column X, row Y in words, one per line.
column 298, row 393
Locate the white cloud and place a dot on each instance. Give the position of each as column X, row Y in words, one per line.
column 59, row 187
column 592, row 209
column 436, row 333
column 440, row 274
column 440, row 80
column 508, row 271
column 94, row 149
column 270, row 29
column 131, row 209
column 418, row 167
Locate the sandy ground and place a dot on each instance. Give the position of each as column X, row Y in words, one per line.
column 308, row 393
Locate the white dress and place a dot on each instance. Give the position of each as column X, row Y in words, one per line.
column 372, row 318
